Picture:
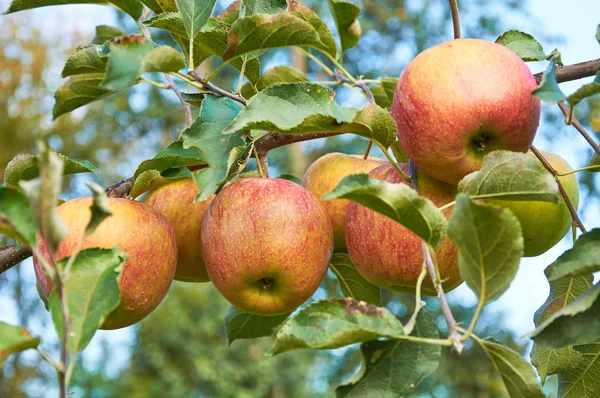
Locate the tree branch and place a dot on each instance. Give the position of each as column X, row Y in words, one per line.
column 11, row 256
column 563, row 193
column 455, row 18
column 217, row 90
column 579, row 127
column 573, row 72
column 186, row 106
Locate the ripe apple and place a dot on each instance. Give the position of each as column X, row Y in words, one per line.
column 266, row 244
column 175, row 202
column 137, row 230
column 458, row 101
column 324, row 175
column 544, row 224
column 388, row 254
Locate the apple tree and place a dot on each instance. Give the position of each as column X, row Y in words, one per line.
column 462, row 196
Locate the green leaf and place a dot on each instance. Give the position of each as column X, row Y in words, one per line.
column 506, row 175
column 335, row 323
column 264, row 31
column 278, row 74
column 26, row 167
column 346, row 15
column 241, row 325
column 264, row 6
column 231, row 13
column 162, row 59
column 99, row 208
column 563, row 291
column 383, row 92
column 153, row 5
column 174, row 155
column 84, row 60
column 15, row 339
column 153, row 179
column 587, row 90
column 105, row 32
column 125, row 56
column 396, row 201
column 351, row 282
column 131, row 7
column 576, row 323
column 583, row 259
column 398, row 152
column 308, row 107
column 490, row 246
column 194, row 99
column 595, row 161
column 526, row 47
column 301, row 11
column 291, row 177
column 548, row 90
column 92, row 293
column 394, row 368
column 582, row 380
column 195, row 14
column 42, row 193
column 518, row 376
column 16, row 218
column 79, row 91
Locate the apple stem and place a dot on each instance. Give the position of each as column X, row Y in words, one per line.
column 563, row 193
column 186, row 106
column 408, row 328
column 368, row 149
column 455, row 18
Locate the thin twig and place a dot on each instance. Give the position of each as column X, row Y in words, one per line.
column 409, row 326
column 366, row 156
column 263, row 164
column 186, row 106
column 11, row 256
column 121, row 189
column 566, row 198
column 565, row 110
column 217, row 90
column 455, row 18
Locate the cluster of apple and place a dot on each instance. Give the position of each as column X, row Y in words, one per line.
column 266, row 243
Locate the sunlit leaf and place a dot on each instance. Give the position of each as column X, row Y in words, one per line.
column 15, row 339
column 278, row 74
column 346, row 14
column 583, row 259
column 526, row 47
column 383, row 92
column 105, row 32
column 125, row 56
column 195, row 14
column 85, row 59
column 16, row 218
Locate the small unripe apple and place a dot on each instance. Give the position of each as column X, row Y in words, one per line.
column 544, row 224
column 266, row 244
column 324, row 175
column 458, row 101
column 175, row 201
column 388, row 254
column 137, row 230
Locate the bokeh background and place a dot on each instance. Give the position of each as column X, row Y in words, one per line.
column 181, row 349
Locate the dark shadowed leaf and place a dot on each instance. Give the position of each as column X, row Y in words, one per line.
column 518, row 376
column 490, row 246
column 174, row 155
column 394, row 368
column 194, row 99
column 85, row 59
column 241, row 325
column 582, row 380
column 383, row 92
column 195, row 14
column 131, row 7
column 335, row 323
column 396, row 201
column 351, row 282
column 583, row 259
column 263, row 6
column 105, row 32
column 15, row 339
column 26, row 167
column 345, row 14
column 99, row 208
column 526, row 47
column 125, row 56
column 595, row 161
column 92, row 293
column 509, row 175
column 278, row 74
column 291, row 177
column 308, row 107
column 548, row 90
column 398, row 152
column 16, row 218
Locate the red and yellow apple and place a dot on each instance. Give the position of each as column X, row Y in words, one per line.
column 267, row 244
column 324, row 175
column 388, row 254
column 137, row 230
column 544, row 224
column 175, row 201
column 458, row 101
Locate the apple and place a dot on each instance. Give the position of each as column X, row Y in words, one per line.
column 267, row 244
column 388, row 254
column 544, row 224
column 175, row 201
column 458, row 101
column 324, row 175
column 137, row 230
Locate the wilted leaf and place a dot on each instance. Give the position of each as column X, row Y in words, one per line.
column 84, row 60
column 99, row 208
column 241, row 325
column 506, row 175
column 125, row 56
column 346, row 15
column 548, row 90
column 582, row 259
column 16, row 218
column 518, row 376
column 307, row 108
column 105, row 32
column 351, row 282
column 490, row 246
column 92, row 293
column 396, row 201
column 526, row 47
column 394, row 368
column 336, row 323
column 383, row 92
column 15, row 339
column 195, row 14
column 174, row 155
column 231, row 13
